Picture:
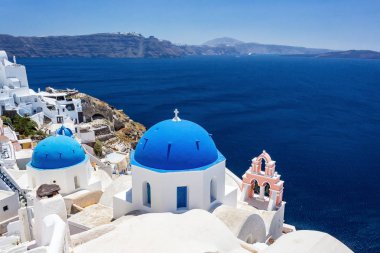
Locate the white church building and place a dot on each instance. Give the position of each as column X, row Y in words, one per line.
column 61, row 160
column 176, row 167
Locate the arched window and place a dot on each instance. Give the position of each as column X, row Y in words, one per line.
column 213, row 190
column 146, row 194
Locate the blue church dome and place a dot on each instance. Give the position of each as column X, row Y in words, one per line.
column 64, row 131
column 57, row 152
column 176, row 145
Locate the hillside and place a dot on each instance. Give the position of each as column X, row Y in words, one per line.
column 115, row 45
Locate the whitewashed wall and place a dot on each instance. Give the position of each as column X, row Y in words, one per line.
column 17, row 71
column 12, row 204
column 163, row 187
column 63, row 177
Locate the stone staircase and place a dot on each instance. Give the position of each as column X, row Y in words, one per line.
column 6, row 179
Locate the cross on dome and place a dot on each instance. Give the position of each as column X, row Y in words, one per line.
column 176, row 118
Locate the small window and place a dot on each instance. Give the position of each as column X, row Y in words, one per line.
column 76, row 182
column 146, row 194
column 70, row 107
column 181, row 197
column 5, row 208
column 213, row 190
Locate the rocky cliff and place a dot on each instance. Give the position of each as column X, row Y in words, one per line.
column 115, row 45
column 115, row 129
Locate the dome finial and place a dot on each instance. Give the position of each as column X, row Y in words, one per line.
column 176, row 118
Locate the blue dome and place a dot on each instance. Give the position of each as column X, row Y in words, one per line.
column 57, row 152
column 64, row 131
column 176, row 145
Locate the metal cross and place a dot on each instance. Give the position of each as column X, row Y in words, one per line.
column 176, row 118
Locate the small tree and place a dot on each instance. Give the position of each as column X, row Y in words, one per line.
column 24, row 125
column 98, row 147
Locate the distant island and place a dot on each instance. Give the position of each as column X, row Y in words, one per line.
column 133, row 45
column 355, row 54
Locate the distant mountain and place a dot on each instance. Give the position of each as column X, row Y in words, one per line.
column 249, row 48
column 132, row 45
column 358, row 54
column 222, row 42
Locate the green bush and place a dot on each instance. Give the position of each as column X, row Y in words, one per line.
column 24, row 125
column 6, row 120
column 98, row 148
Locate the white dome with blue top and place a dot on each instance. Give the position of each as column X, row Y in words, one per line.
column 56, row 152
column 174, row 145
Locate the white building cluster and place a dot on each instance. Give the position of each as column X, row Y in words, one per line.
column 16, row 96
column 176, row 170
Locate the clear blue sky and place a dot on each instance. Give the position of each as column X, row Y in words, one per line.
column 335, row 24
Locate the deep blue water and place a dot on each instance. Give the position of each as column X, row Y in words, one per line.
column 318, row 118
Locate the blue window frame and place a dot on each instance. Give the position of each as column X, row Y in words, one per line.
column 146, row 194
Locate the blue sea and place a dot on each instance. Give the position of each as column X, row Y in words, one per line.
column 318, row 118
